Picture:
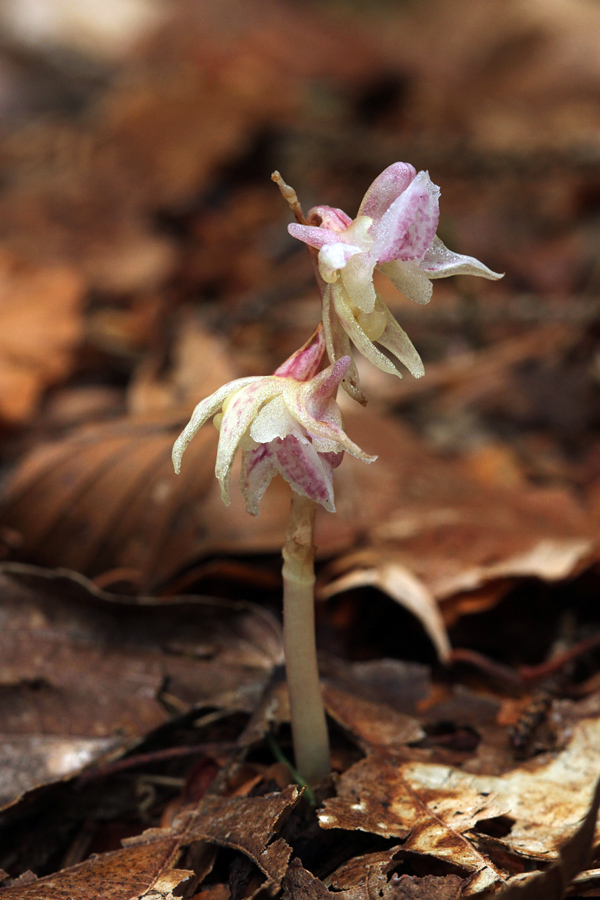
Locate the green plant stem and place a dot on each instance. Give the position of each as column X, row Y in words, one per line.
column 309, row 727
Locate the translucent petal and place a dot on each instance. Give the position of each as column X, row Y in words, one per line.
column 258, row 469
column 273, row 421
column 305, row 362
column 328, row 217
column 385, row 189
column 236, row 422
column 203, row 412
column 408, row 227
column 297, row 402
column 439, row 262
column 410, row 279
column 308, row 473
column 357, row 278
column 321, row 391
column 400, row 345
column 360, row 339
column 313, row 236
column 338, row 345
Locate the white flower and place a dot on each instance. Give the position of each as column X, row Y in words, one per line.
column 395, row 230
column 288, row 422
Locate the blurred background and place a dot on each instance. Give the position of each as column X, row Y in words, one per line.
column 144, row 260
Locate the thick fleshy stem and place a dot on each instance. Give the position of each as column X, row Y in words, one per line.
column 309, row 727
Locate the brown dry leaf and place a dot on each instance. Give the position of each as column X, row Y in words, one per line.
column 437, row 532
column 201, row 364
column 498, row 68
column 440, row 811
column 248, row 824
column 574, row 856
column 467, row 377
column 83, row 672
column 106, row 497
column 369, row 876
column 40, row 326
column 373, row 725
column 143, row 871
column 194, row 95
column 146, row 867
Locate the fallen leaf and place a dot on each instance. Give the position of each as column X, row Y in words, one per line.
column 106, row 497
column 147, row 866
column 131, row 872
column 370, row 875
column 438, row 533
column 439, row 810
column 82, row 672
column 40, row 326
column 574, row 855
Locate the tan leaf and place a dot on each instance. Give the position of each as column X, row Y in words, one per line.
column 438, row 532
column 107, row 498
column 40, row 326
column 82, row 672
column 436, row 808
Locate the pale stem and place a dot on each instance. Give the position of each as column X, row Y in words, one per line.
column 309, row 728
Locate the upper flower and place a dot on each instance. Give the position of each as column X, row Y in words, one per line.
column 288, row 422
column 395, row 230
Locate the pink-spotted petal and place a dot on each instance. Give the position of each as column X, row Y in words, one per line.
column 305, row 362
column 410, row 279
column 392, row 182
column 203, row 412
column 408, row 227
column 236, row 422
column 439, row 262
column 313, row 236
column 259, row 466
column 328, row 217
column 338, row 345
column 308, row 473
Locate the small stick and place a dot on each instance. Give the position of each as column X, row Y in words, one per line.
column 289, row 195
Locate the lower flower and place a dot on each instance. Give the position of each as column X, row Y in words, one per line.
column 288, row 422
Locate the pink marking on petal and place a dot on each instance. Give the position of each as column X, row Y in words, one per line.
column 325, row 385
column 305, row 362
column 258, row 468
column 408, row 227
column 334, row 459
column 328, row 217
column 305, row 470
column 313, row 236
column 385, row 189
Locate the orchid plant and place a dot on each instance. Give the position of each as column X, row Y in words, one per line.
column 290, row 422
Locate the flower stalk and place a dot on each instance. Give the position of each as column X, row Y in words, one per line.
column 309, row 727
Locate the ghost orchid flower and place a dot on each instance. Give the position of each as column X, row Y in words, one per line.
column 395, row 231
column 288, row 422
